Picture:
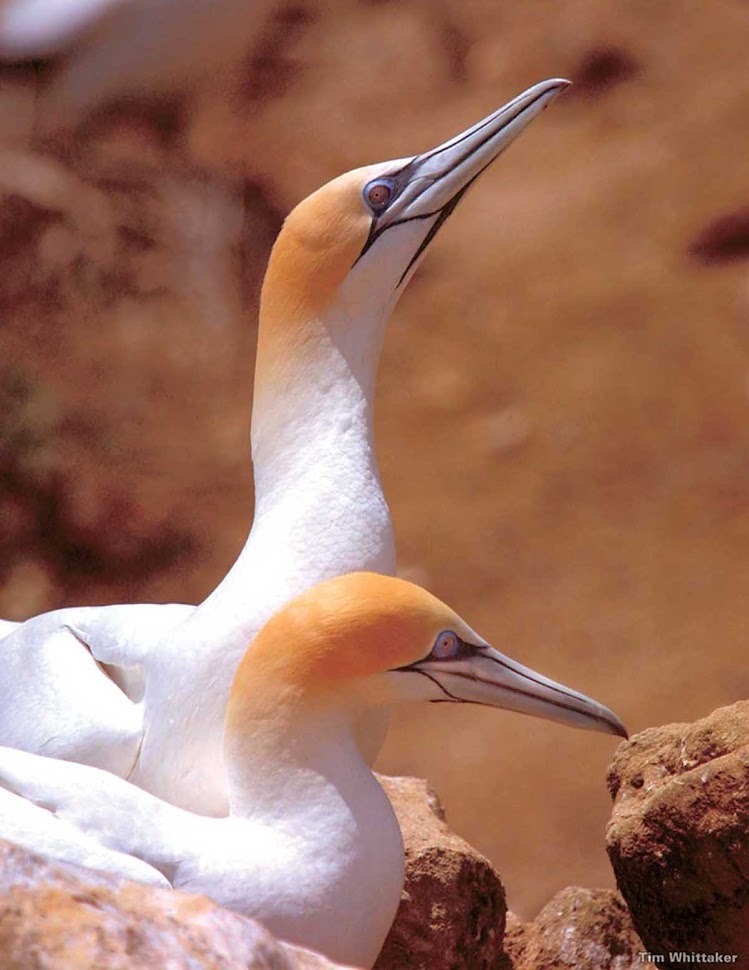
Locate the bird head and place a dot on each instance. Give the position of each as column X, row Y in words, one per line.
column 348, row 250
column 364, row 640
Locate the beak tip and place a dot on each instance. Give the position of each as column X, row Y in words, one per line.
column 559, row 84
column 618, row 729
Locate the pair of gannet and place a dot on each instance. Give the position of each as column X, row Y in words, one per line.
column 141, row 690
column 312, row 847
column 115, row 48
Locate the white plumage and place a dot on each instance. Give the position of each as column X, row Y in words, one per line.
column 312, row 847
column 141, row 690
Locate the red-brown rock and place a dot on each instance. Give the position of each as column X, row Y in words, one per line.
column 588, row 929
column 679, row 835
column 452, row 912
column 64, row 917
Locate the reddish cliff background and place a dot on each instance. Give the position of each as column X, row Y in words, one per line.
column 562, row 414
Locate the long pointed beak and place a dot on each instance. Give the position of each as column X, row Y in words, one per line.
column 486, row 676
column 438, row 178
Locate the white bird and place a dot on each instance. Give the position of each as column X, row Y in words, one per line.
column 312, row 847
column 141, row 690
column 116, row 48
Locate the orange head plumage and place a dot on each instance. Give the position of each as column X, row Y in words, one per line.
column 364, row 640
column 346, row 253
column 342, row 631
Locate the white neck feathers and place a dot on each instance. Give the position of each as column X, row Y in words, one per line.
column 319, row 506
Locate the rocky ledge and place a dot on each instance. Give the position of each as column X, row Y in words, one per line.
column 679, row 835
column 64, row 917
column 452, row 916
column 677, row 840
column 452, row 912
column 584, row 929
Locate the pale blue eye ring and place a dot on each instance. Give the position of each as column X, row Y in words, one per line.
column 378, row 194
column 446, row 645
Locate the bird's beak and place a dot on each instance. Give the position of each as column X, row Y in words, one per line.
column 438, row 178
column 485, row 676
column 433, row 183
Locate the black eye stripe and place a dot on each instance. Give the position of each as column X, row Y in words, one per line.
column 409, row 173
column 442, row 213
column 464, row 650
column 397, row 181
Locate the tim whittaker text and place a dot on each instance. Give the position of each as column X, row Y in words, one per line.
column 682, row 956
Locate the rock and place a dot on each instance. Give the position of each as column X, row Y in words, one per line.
column 65, row 917
column 452, row 912
column 588, row 929
column 678, row 838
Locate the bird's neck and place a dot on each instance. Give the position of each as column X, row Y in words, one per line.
column 290, row 752
column 298, row 773
column 313, row 404
column 319, row 506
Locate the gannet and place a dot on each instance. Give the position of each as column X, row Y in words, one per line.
column 116, row 48
column 141, row 690
column 311, row 847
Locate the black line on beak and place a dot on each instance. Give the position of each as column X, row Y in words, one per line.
column 444, row 215
column 447, row 211
column 406, row 175
column 451, row 698
column 524, row 693
column 533, row 680
column 376, row 231
column 478, row 651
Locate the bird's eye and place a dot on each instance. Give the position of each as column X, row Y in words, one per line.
column 378, row 194
column 446, row 645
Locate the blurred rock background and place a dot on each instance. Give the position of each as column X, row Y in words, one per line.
column 563, row 401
